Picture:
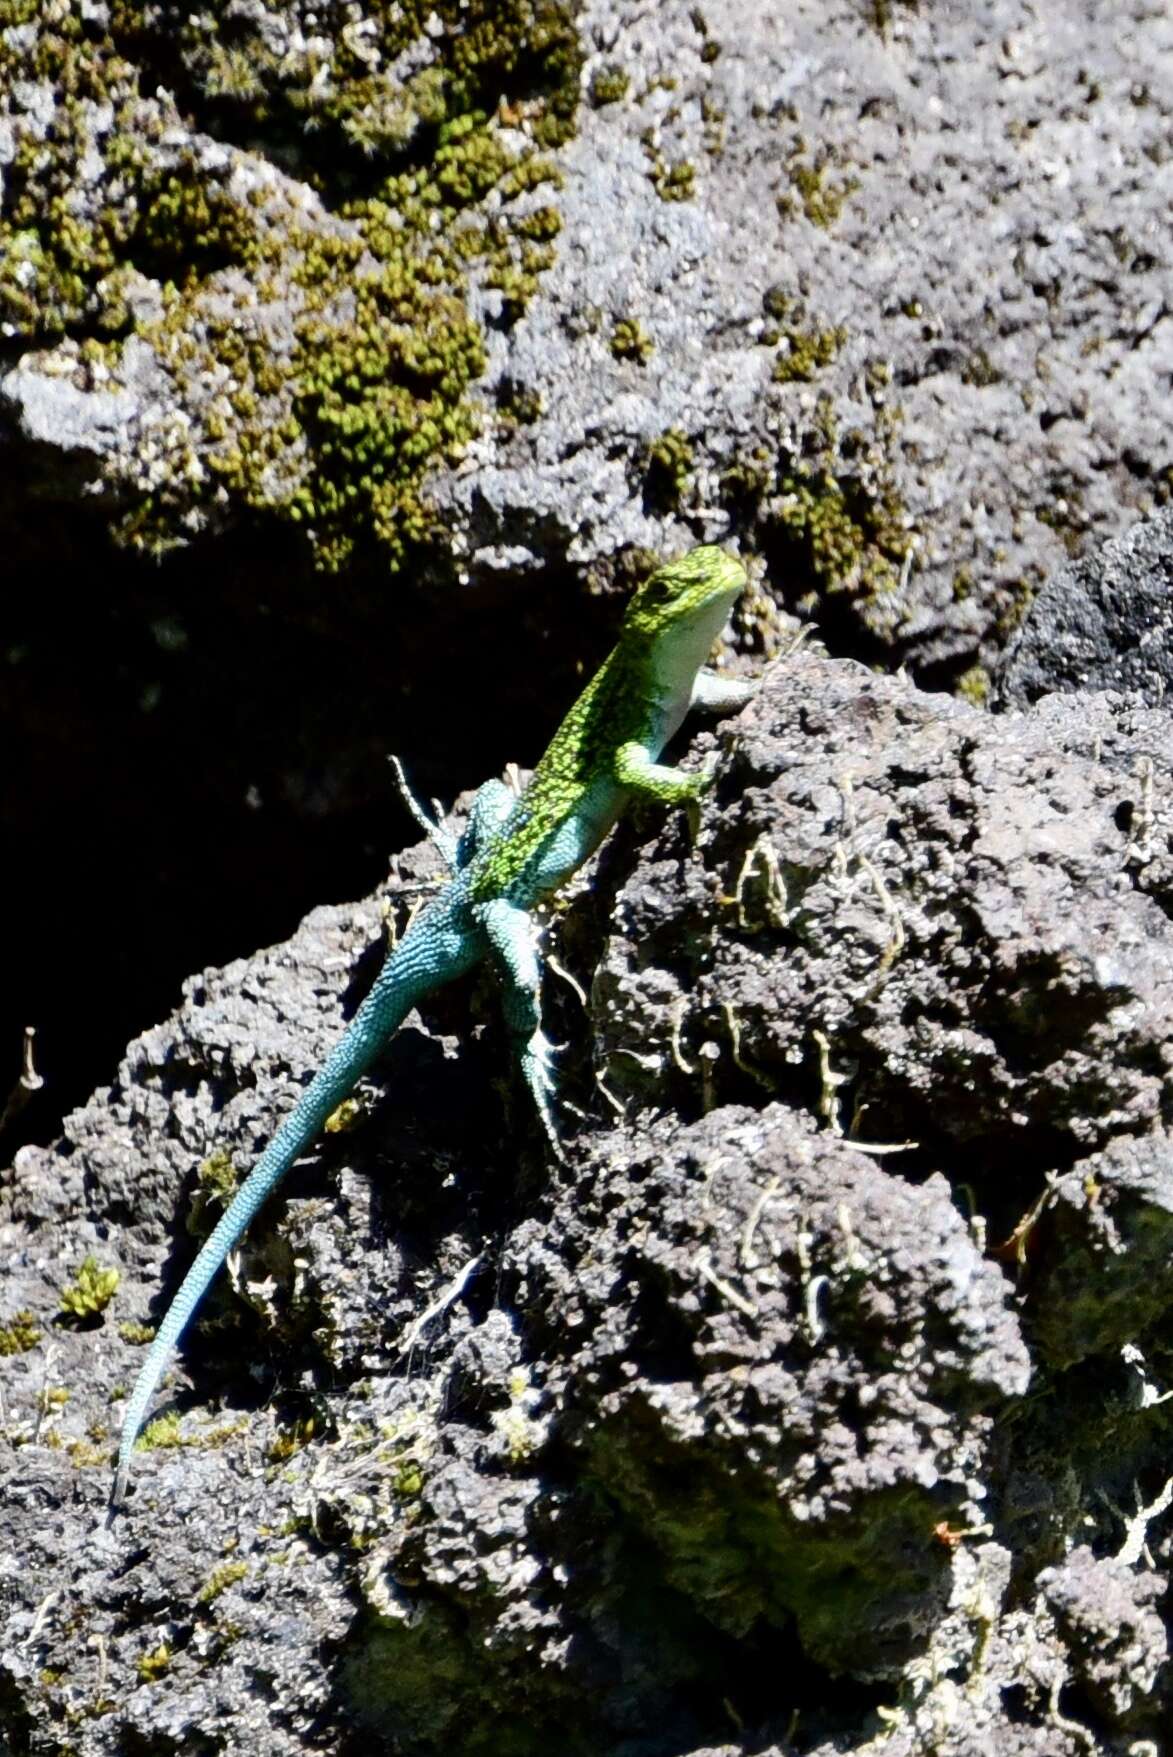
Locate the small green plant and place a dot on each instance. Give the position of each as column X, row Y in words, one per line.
column 162, row 1433
column 152, row 1666
column 669, row 460
column 608, row 85
column 92, row 1290
column 813, row 191
column 220, row 1580
column 630, row 341
column 807, row 352
column 674, row 182
column 20, row 1335
column 344, row 1118
column 974, row 685
column 216, row 1184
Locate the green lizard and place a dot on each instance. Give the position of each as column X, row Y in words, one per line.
column 514, row 852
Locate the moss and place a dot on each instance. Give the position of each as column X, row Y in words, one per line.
column 220, row 1580
column 668, row 461
column 136, row 1334
column 216, row 1184
column 155, row 1665
column 289, row 1440
column 87, row 1455
column 344, row 1117
column 777, row 301
column 807, row 352
column 978, row 369
column 165, row 1434
column 337, row 368
column 744, row 483
column 20, row 1334
column 835, row 530
column 630, row 341
column 882, row 12
column 813, row 190
column 92, row 1290
column 673, row 182
column 829, row 499
column 974, row 685
column 520, row 404
column 714, row 119
column 609, row 85
column 1065, row 517
column 519, row 1433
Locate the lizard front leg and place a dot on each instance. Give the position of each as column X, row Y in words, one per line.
column 714, row 694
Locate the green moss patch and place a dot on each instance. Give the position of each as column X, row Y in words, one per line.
column 319, row 353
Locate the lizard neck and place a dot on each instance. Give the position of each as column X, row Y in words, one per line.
column 670, row 662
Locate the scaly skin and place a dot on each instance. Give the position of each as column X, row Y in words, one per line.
column 514, row 853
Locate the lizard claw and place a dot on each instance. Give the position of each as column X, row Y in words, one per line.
column 537, row 1066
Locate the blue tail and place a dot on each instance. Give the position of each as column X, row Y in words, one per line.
column 432, row 952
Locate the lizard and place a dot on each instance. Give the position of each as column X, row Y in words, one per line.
column 514, row 852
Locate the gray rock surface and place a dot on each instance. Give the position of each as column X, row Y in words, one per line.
column 975, row 912
column 737, row 1435
column 1102, row 623
column 823, row 1404
column 881, row 290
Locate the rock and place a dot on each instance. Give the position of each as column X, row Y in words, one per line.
column 1102, row 623
column 744, row 1399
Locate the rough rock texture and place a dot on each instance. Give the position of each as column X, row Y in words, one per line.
column 1103, row 623
column 735, row 1435
column 740, row 1435
column 971, row 921
column 476, row 303
column 879, row 288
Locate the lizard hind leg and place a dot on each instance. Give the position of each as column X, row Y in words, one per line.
column 513, row 942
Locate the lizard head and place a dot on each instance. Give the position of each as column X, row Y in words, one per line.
column 687, row 599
